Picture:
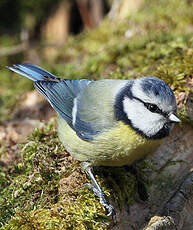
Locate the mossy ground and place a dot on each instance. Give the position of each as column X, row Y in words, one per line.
column 44, row 190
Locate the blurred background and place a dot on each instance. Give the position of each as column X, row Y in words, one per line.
column 56, row 35
column 46, row 23
column 37, row 32
column 87, row 38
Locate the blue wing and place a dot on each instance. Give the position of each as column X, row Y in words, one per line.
column 87, row 106
column 61, row 95
column 59, row 92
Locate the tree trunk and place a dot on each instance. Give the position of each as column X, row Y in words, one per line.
column 55, row 30
column 91, row 12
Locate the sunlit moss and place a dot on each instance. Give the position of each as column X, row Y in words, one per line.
column 45, row 190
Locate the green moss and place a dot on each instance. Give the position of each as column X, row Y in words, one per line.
column 33, row 174
column 45, row 189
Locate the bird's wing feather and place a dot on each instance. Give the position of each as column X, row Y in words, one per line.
column 59, row 92
column 87, row 106
column 61, row 95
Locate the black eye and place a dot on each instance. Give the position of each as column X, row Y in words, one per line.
column 152, row 107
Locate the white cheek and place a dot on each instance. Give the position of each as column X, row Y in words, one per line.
column 141, row 118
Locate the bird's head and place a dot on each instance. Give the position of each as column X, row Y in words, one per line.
column 148, row 105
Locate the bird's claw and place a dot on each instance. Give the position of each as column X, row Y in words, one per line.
column 114, row 217
column 112, row 212
column 109, row 207
column 103, row 200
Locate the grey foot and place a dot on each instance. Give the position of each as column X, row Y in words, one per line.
column 104, row 201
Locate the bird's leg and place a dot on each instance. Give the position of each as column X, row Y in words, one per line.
column 98, row 191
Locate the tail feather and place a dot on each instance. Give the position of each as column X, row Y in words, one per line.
column 33, row 72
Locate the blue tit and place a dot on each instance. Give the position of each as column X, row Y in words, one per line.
column 107, row 122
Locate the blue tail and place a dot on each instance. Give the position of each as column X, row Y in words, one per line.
column 33, row 72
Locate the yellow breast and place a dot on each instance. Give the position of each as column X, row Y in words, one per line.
column 116, row 147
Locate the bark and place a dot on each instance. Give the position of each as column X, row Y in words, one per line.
column 177, row 213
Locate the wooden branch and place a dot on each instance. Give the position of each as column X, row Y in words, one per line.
column 13, row 50
column 24, row 47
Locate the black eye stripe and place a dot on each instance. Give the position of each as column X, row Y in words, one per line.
column 148, row 106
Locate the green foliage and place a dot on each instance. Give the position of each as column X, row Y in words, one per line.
column 151, row 45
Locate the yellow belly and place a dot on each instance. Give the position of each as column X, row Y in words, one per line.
column 117, row 147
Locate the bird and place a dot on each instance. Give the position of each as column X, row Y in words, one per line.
column 107, row 122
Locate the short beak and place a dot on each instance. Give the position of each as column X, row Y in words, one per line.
column 173, row 118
